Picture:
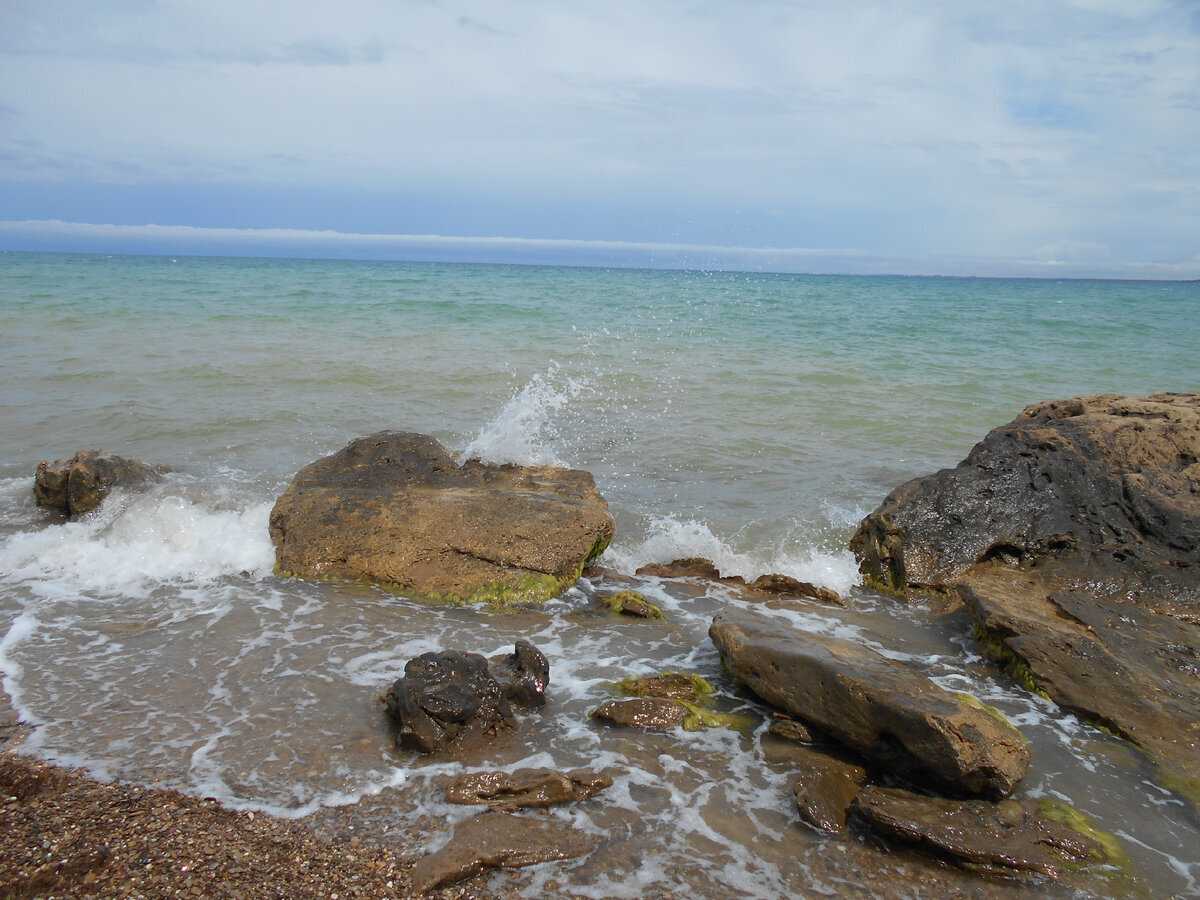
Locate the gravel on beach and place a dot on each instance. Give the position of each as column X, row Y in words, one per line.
column 65, row 835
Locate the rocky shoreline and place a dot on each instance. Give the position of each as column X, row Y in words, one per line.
column 1070, row 535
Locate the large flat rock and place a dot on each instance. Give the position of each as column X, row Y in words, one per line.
column 1073, row 535
column 881, row 708
column 397, row 507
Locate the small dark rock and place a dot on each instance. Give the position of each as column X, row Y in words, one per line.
column 792, row 730
column 653, row 713
column 447, row 698
column 669, row 686
column 631, row 603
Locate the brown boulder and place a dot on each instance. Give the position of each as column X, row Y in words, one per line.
column 1073, row 535
column 81, row 483
column 653, row 713
column 825, row 787
column 396, row 507
column 882, row 709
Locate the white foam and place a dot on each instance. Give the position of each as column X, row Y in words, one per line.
column 132, row 543
column 524, row 430
column 22, row 627
column 669, row 538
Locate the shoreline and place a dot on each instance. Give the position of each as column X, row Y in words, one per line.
column 64, row 834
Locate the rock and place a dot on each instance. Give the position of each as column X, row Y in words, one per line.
column 880, row 708
column 81, row 483
column 396, row 507
column 526, row 787
column 791, row 730
column 653, row 713
column 631, row 603
column 669, row 686
column 692, row 567
column 1073, row 535
column 1006, row 838
column 788, row 586
column 447, row 699
column 496, row 839
column 700, row 567
column 523, row 674
column 825, row 787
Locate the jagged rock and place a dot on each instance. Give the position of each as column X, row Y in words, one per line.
column 789, row 586
column 1073, row 535
column 692, row 567
column 668, row 686
column 880, row 708
column 631, row 603
column 653, row 713
column 494, row 840
column 526, row 787
column 81, row 483
column 1006, row 838
column 396, row 507
column 447, row 699
column 523, row 674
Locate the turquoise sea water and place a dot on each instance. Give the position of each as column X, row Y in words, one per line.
column 750, row 418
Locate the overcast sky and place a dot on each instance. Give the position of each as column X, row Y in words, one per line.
column 1056, row 137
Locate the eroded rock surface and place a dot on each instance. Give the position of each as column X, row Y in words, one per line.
column 496, row 839
column 880, row 708
column 1073, row 535
column 770, row 584
column 447, row 699
column 526, row 787
column 396, row 507
column 80, row 484
column 1010, row 837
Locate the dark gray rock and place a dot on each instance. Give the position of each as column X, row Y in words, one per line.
column 523, row 674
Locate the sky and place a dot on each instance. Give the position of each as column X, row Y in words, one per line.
column 1056, row 138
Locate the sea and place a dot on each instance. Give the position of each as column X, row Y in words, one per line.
column 750, row 418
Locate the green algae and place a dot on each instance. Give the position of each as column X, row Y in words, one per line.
column 631, row 603
column 995, row 649
column 973, row 701
column 1108, row 850
column 699, row 719
column 636, row 686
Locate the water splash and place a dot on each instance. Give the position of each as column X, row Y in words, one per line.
column 526, row 430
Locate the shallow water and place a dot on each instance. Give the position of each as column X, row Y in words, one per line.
column 750, row 419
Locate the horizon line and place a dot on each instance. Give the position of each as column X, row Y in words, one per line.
column 152, row 239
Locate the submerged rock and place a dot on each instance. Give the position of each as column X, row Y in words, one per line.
column 1007, row 838
column 825, row 787
column 447, row 699
column 880, row 708
column 653, row 713
column 526, row 787
column 1073, row 535
column 396, row 507
column 496, row 839
column 80, row 484
column 669, row 686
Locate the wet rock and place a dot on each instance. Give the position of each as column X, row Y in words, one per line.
column 700, row 567
column 447, row 699
column 792, row 730
column 396, row 507
column 526, row 787
column 793, row 587
column 1006, row 838
column 880, row 708
column 80, row 484
column 1073, row 535
column 825, row 786
column 494, row 840
column 653, row 713
column 631, row 603
column 669, row 686
column 523, row 674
